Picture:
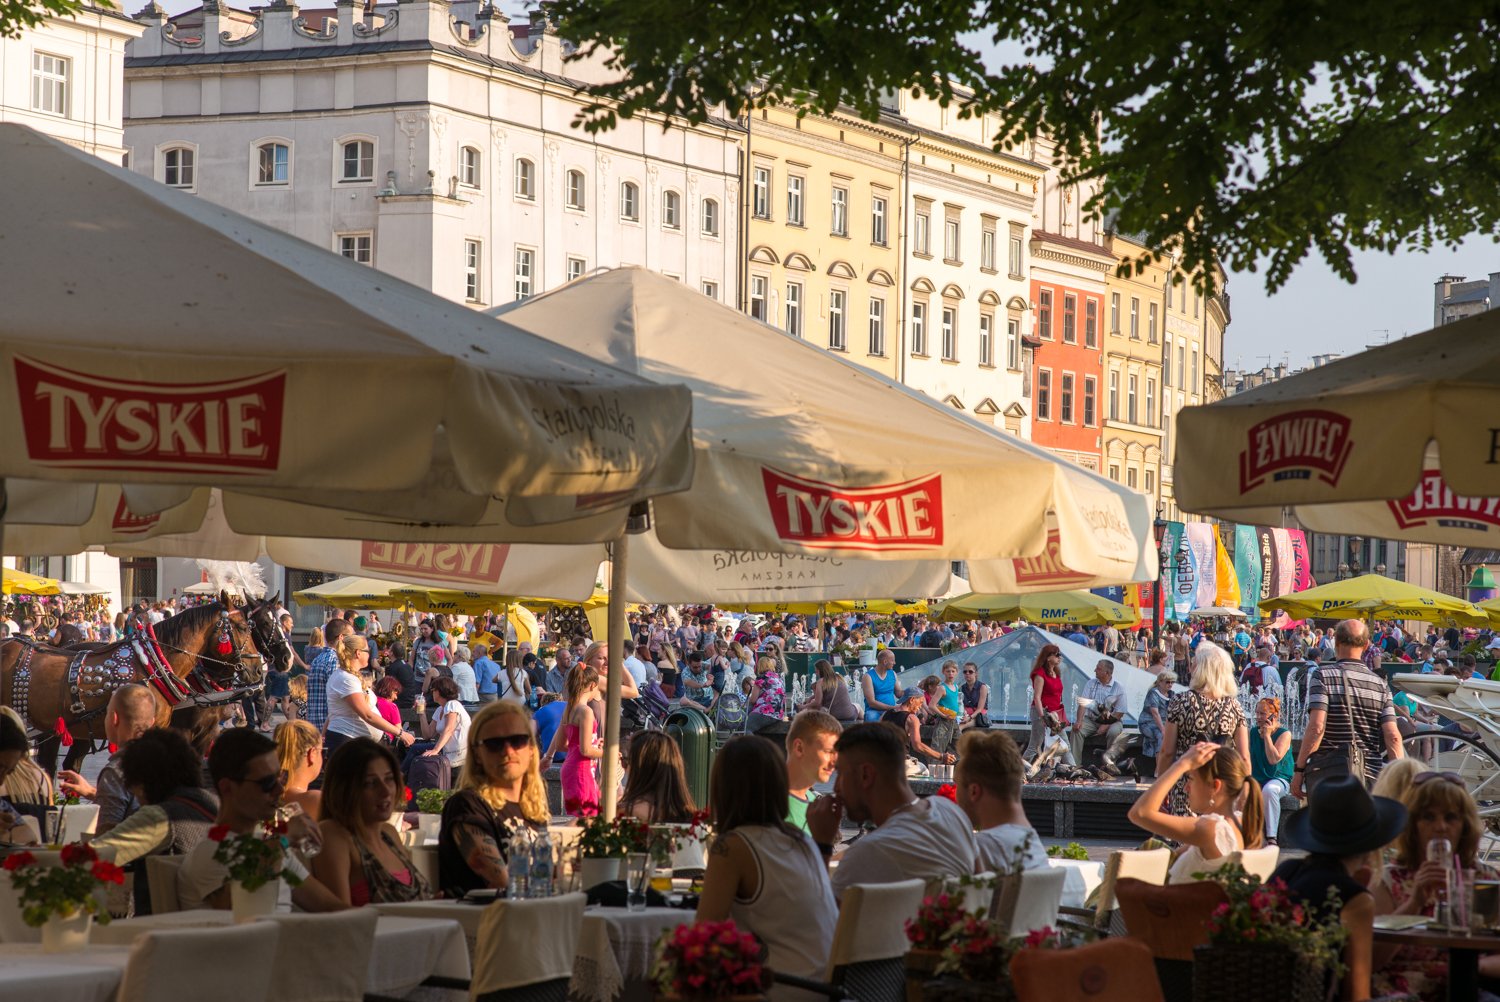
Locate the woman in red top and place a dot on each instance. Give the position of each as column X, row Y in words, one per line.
column 1046, row 696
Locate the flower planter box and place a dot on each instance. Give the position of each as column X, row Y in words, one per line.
column 1249, row 973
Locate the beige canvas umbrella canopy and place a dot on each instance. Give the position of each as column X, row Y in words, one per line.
column 1397, row 442
column 153, row 338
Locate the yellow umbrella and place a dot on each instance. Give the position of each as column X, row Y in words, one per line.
column 1374, row 596
column 361, row 592
column 1491, row 607
column 20, row 583
column 1073, row 608
column 879, row 607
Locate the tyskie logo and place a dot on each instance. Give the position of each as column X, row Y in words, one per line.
column 79, row 420
column 127, row 522
column 1047, row 567
column 1435, row 502
column 475, row 563
column 1296, row 446
column 902, row 516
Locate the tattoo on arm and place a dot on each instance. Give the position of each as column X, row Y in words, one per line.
column 479, row 850
column 719, row 846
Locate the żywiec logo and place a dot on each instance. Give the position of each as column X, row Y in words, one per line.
column 1047, row 568
column 477, row 563
column 128, row 522
column 1295, row 446
column 904, row 516
column 1434, row 501
column 79, row 420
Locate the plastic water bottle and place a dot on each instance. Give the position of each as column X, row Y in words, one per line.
column 539, row 884
column 518, row 866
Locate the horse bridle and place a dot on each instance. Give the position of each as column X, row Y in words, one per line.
column 199, row 680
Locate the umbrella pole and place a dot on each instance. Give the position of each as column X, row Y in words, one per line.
column 4, row 502
column 610, row 773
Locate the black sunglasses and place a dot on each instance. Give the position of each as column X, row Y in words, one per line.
column 271, row 783
column 513, row 741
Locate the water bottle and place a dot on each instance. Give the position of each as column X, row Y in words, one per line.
column 539, row 884
column 518, row 866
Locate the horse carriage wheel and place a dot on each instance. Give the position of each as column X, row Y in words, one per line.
column 1477, row 764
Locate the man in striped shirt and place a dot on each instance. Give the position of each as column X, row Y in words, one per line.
column 1348, row 703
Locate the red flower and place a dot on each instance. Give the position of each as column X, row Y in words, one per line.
column 218, row 832
column 16, row 860
column 405, row 795
column 77, row 852
column 107, row 872
column 948, row 790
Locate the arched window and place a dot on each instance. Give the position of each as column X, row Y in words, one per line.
column 630, row 201
column 274, row 164
column 577, row 190
column 710, row 218
column 671, row 210
column 358, row 161
column 469, row 163
column 525, row 179
column 179, row 167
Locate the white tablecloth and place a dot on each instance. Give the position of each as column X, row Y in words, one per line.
column 90, row 975
column 408, row 950
column 614, row 945
column 1083, row 876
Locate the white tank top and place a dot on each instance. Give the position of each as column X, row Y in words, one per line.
column 792, row 910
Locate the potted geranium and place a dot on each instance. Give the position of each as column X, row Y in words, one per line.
column 709, row 960
column 257, row 864
column 430, row 804
column 1263, row 944
column 605, row 844
column 928, row 934
column 63, row 900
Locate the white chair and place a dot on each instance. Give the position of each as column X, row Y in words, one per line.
column 868, row 959
column 425, row 859
column 1029, row 900
column 12, row 928
column 161, row 881
column 323, row 958
column 77, row 820
column 1149, row 865
column 230, row 962
column 978, row 893
column 1260, row 863
column 526, row 948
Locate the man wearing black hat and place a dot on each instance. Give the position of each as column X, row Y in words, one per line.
column 1341, row 829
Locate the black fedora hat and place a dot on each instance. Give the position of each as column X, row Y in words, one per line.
column 1342, row 819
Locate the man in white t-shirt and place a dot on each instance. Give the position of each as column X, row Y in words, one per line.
column 988, row 783
column 638, row 669
column 913, row 838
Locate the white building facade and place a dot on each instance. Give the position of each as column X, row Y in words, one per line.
column 430, row 141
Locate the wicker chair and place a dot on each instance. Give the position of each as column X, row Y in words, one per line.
column 1170, row 920
column 868, row 959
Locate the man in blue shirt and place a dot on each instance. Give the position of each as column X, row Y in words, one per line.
column 1078, row 636
column 486, row 672
column 547, row 718
column 323, row 664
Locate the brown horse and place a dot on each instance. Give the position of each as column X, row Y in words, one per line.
column 205, row 656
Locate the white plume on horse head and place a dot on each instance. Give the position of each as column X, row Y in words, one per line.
column 237, row 577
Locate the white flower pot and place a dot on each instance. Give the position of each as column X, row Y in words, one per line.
column 599, row 871
column 429, row 825
column 259, row 903
column 66, row 934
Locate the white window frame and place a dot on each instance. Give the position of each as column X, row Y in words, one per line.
column 1135, row 318
column 340, row 161
column 471, row 167
column 1044, row 314
column 671, row 210
column 922, row 233
column 1067, row 386
column 524, row 273
column 951, row 237
column 161, row 165
column 1044, row 394
column 1069, row 318
column 1090, row 322
column 51, row 84
column 1150, row 403
column 256, row 149
column 1152, row 317
column 796, row 200
column 987, row 248
column 575, row 190
column 1114, row 313
column 473, row 270
column 879, row 212
column 1132, row 398
column 838, row 321
column 877, row 327
column 760, row 187
column 523, row 179
column 710, row 217
column 1013, row 344
column 343, row 243
column 1114, row 395
column 948, row 327
column 630, row 201
column 838, row 210
column 987, row 340
column 760, row 293
column 576, row 267
column 1090, row 401
column 1017, row 253
column 709, row 289
column 794, row 314
column 919, row 328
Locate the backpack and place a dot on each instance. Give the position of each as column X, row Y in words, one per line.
column 729, row 712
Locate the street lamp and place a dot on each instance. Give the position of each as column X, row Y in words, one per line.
column 1356, row 554
column 1159, row 528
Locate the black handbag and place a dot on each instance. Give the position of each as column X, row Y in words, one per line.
column 1339, row 759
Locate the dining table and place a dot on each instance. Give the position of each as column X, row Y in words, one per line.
column 1463, row 946
column 90, row 975
column 1083, row 875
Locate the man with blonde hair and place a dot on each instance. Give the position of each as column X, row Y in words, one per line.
column 811, row 757
column 988, row 784
column 131, row 712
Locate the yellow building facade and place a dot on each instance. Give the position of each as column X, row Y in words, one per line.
column 823, row 225
column 1134, row 315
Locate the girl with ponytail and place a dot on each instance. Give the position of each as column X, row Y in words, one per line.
column 1226, row 800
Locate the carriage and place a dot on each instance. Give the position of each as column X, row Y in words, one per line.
column 1475, row 756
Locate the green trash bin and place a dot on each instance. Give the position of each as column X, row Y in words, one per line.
column 694, row 734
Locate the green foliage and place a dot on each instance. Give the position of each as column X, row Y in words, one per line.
column 1255, row 131
column 432, row 800
column 1072, row 850
column 18, row 15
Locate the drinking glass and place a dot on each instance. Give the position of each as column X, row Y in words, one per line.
column 1440, row 850
column 637, row 877
column 301, row 842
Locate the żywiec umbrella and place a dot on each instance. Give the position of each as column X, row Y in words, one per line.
column 1374, row 596
column 154, row 338
column 1397, row 442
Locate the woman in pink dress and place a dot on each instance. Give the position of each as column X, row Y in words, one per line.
column 579, row 732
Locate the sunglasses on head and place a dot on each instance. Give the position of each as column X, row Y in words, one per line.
column 271, row 783
column 1427, row 777
column 515, row 742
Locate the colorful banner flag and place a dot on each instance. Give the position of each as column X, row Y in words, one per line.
column 1302, row 579
column 1270, row 572
column 1247, row 568
column 1286, row 562
column 1228, row 593
column 1200, row 536
column 1178, row 585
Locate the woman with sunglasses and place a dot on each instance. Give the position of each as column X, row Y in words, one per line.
column 351, row 705
column 500, row 788
column 1439, row 810
column 1046, row 697
column 976, row 697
